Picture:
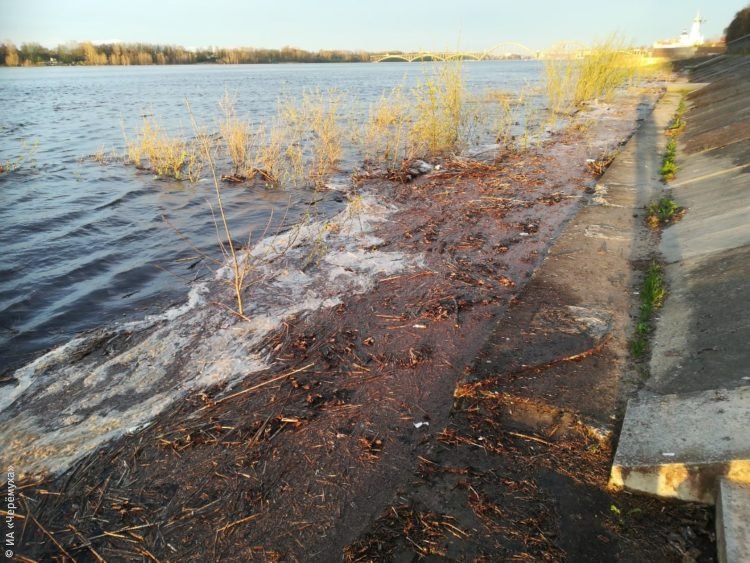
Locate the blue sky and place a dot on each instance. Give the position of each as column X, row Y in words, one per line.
column 356, row 24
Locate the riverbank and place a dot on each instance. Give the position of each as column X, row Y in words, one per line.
column 457, row 404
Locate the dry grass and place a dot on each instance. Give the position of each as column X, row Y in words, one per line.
column 302, row 144
column 506, row 105
column 315, row 138
column 166, row 155
column 606, row 66
column 385, row 135
column 429, row 120
column 25, row 159
column 439, row 111
column 235, row 132
column 267, row 155
column 240, row 262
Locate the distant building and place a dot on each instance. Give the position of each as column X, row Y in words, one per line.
column 688, row 44
column 692, row 38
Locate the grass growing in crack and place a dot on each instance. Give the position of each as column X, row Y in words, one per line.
column 677, row 124
column 663, row 212
column 652, row 294
column 669, row 168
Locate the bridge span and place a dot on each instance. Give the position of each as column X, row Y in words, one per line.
column 501, row 51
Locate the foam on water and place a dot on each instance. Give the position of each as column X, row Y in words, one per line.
column 101, row 385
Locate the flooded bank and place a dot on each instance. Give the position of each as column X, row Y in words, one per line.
column 291, row 432
column 116, row 379
column 88, row 241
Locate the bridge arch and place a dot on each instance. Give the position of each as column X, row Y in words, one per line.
column 503, row 49
column 411, row 57
column 566, row 49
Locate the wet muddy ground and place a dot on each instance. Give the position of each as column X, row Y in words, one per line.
column 403, row 424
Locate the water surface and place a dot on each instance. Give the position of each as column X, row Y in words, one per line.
column 83, row 244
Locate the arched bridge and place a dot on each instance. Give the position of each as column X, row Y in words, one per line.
column 500, row 51
column 506, row 50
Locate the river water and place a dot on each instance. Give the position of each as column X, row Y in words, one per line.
column 85, row 243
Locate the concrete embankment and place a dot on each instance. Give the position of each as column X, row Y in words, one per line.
column 686, row 434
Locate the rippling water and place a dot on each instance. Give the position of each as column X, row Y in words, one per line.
column 83, row 243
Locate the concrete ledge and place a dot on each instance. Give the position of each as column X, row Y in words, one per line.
column 681, row 445
column 733, row 522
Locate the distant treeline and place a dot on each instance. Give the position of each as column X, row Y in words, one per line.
column 86, row 53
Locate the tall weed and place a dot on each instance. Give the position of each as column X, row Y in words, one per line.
column 438, row 112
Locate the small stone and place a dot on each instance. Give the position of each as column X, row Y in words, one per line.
column 422, row 166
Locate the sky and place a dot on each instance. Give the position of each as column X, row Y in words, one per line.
column 408, row 25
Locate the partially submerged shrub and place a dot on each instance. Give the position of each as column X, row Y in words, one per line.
column 267, row 159
column 166, row 155
column 314, row 142
column 386, row 130
column 438, row 107
column 428, row 121
column 507, row 106
column 235, row 133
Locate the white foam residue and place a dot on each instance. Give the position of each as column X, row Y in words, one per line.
column 96, row 387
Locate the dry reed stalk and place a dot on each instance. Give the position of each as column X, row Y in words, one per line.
column 235, row 132
column 439, row 112
column 239, row 270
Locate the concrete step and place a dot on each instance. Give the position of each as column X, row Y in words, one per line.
column 733, row 522
column 680, row 445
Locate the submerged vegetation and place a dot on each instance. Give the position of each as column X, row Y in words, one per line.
column 303, row 143
column 439, row 112
column 166, row 155
column 26, row 158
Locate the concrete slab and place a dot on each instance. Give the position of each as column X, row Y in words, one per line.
column 702, row 333
column 733, row 522
column 680, row 445
column 738, row 152
column 717, row 219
